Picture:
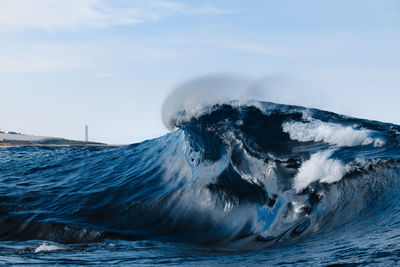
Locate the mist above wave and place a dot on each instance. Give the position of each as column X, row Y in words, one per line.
column 197, row 96
column 192, row 98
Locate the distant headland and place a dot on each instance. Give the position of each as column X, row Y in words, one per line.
column 13, row 139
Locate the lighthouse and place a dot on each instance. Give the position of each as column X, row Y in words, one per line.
column 86, row 133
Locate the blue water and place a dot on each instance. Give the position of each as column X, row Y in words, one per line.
column 250, row 184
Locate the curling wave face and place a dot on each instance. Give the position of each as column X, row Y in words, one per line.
column 242, row 176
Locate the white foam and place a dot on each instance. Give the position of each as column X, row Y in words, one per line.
column 320, row 167
column 297, row 206
column 48, row 247
column 332, row 133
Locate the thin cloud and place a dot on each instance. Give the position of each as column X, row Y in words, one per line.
column 255, row 48
column 50, row 57
column 50, row 15
column 43, row 58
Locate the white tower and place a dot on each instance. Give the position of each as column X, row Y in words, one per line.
column 86, row 133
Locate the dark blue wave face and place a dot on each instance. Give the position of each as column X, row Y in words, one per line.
column 243, row 177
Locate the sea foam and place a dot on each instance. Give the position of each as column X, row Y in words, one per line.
column 48, row 247
column 331, row 133
column 320, row 167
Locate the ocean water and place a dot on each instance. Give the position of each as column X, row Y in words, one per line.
column 251, row 183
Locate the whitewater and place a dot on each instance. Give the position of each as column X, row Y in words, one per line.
column 234, row 182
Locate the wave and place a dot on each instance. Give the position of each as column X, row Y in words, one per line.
column 236, row 174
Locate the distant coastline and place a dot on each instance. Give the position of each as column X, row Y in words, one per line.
column 12, row 139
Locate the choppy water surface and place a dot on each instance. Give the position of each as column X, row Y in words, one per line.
column 237, row 184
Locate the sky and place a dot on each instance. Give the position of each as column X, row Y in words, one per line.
column 111, row 64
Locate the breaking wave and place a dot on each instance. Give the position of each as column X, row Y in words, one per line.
column 241, row 175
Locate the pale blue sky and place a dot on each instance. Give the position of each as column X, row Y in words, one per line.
column 111, row 64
